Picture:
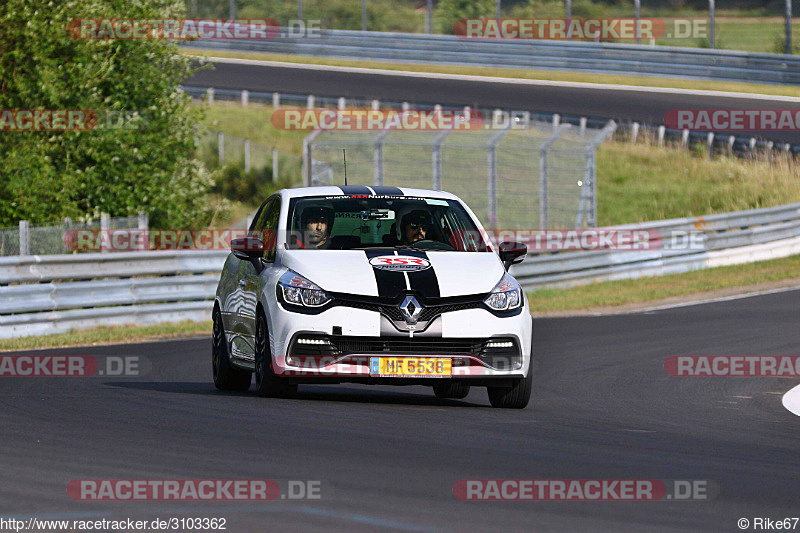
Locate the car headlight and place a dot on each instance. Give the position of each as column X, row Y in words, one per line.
column 506, row 296
column 298, row 290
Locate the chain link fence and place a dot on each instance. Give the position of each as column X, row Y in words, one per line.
column 527, row 175
column 53, row 239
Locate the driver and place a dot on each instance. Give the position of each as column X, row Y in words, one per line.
column 317, row 222
column 416, row 226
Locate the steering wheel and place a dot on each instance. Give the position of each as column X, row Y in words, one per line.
column 430, row 244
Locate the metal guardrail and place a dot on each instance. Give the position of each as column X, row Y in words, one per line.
column 727, row 238
column 53, row 294
column 694, row 63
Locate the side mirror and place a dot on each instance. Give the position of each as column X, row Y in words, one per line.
column 512, row 253
column 248, row 248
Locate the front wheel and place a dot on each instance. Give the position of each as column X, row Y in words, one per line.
column 267, row 383
column 515, row 397
column 226, row 376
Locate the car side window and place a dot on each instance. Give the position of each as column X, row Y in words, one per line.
column 261, row 215
column 267, row 224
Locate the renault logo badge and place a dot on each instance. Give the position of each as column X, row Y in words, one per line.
column 410, row 309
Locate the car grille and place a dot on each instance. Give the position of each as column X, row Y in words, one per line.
column 428, row 313
column 406, row 345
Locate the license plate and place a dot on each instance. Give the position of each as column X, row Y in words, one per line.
column 410, row 367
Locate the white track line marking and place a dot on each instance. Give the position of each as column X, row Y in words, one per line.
column 791, row 401
column 510, row 81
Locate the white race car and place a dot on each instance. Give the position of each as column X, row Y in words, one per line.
column 379, row 285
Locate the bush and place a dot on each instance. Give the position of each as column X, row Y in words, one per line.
column 50, row 175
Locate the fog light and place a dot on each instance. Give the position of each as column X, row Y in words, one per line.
column 499, row 344
column 292, row 361
column 311, row 341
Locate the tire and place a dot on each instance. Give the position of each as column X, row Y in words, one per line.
column 451, row 390
column 514, row 397
column 267, row 383
column 226, row 376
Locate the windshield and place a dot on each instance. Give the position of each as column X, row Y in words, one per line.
column 400, row 222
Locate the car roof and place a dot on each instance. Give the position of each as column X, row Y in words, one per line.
column 369, row 190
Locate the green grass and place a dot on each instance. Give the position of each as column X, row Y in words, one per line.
column 699, row 283
column 109, row 335
column 525, row 74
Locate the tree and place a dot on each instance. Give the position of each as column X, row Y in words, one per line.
column 49, row 175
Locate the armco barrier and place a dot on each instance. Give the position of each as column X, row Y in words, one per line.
column 696, row 63
column 53, row 294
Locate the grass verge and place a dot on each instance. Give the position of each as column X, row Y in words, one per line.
column 108, row 335
column 700, row 284
column 525, row 74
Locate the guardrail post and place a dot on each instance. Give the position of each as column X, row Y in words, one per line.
column 685, row 138
column 710, row 144
column 556, row 121
column 376, row 105
column 105, row 223
column 220, row 147
column 661, row 131
column 583, row 126
column 210, row 95
column 24, row 237
column 731, row 140
column 491, row 162
column 143, row 222
column 274, row 165
column 436, row 159
column 752, row 143
column 245, row 97
column 341, row 103
column 377, row 157
column 310, row 102
column 247, row 155
column 276, row 100
column 634, row 132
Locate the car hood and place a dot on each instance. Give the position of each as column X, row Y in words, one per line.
column 350, row 272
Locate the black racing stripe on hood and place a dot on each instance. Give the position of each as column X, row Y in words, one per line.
column 390, row 284
column 387, row 191
column 355, row 189
column 423, row 282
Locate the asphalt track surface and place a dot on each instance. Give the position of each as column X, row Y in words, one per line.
column 388, row 457
column 625, row 105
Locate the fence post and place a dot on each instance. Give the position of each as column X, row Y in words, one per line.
column 308, row 161
column 247, row 155
column 661, row 131
column 711, row 17
column 637, row 5
column 210, row 95
column 221, row 147
column 276, row 100
column 363, row 15
column 583, row 126
column 497, row 9
column 436, row 159
column 634, row 132
column 685, row 138
column 274, row 165
column 310, row 102
column 24, row 237
column 245, row 97
column 377, row 157
column 710, row 144
column 376, row 105
column 342, row 103
column 105, row 223
column 556, row 121
column 491, row 162
column 788, row 15
column 429, row 18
